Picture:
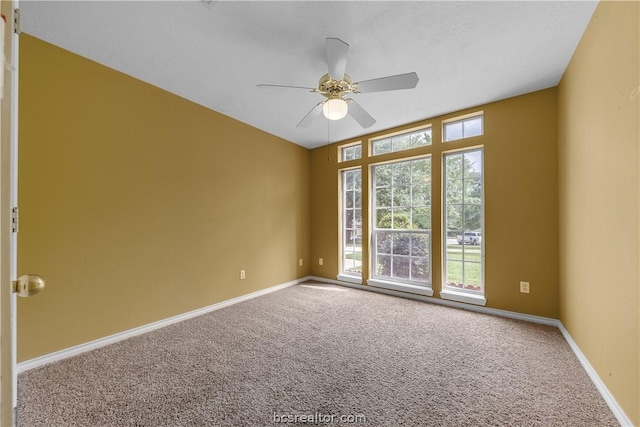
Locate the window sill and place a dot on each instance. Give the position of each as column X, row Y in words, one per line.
column 350, row 279
column 463, row 297
column 402, row 287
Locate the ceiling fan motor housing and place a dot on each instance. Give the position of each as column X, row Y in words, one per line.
column 334, row 88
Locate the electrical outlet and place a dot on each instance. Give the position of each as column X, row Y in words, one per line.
column 320, row 261
column 300, row 262
column 242, row 274
column 524, row 287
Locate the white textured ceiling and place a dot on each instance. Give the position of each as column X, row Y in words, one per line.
column 465, row 53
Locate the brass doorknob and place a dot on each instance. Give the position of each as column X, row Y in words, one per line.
column 28, row 285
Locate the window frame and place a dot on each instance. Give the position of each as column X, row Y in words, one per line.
column 349, row 276
column 344, row 147
column 396, row 134
column 462, row 119
column 476, row 297
column 405, row 285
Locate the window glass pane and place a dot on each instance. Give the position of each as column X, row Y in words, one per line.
column 383, row 265
column 454, row 250
column 357, row 218
column 348, row 220
column 383, row 197
column 452, row 131
column 357, row 151
column 401, row 244
column 348, row 199
column 471, row 252
column 383, row 218
column 453, row 164
column 383, row 243
column 401, row 219
column 381, row 146
column 419, row 245
column 405, row 141
column 472, row 218
column 421, row 138
column 454, row 274
column 420, row 196
column 401, row 142
column 421, row 218
column 472, row 190
column 419, row 270
column 401, row 196
column 401, row 267
column 453, row 188
column 348, row 178
column 473, row 127
column 421, row 172
column 473, row 164
column 348, row 154
column 472, row 276
column 383, row 175
column 454, row 217
column 402, row 173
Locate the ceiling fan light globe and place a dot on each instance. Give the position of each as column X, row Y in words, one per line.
column 335, row 109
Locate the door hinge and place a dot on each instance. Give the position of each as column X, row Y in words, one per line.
column 14, row 220
column 17, row 22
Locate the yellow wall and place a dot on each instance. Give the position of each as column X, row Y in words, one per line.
column 599, row 196
column 137, row 205
column 521, row 201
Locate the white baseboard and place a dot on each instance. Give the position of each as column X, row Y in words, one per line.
column 617, row 411
column 455, row 304
column 602, row 388
column 101, row 342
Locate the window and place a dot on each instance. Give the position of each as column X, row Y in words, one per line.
column 403, row 141
column 464, row 237
column 350, row 152
column 401, row 226
column 463, row 128
column 351, row 225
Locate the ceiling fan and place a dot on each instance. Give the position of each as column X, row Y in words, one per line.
column 336, row 84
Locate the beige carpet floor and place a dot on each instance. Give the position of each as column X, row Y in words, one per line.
column 352, row 357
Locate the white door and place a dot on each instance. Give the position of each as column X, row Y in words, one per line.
column 9, row 285
column 7, row 246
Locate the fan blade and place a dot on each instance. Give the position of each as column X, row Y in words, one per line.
column 311, row 115
column 358, row 113
column 400, row 81
column 288, row 87
column 337, row 51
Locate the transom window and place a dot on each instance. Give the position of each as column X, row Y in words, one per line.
column 350, row 152
column 403, row 141
column 463, row 128
column 401, row 232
